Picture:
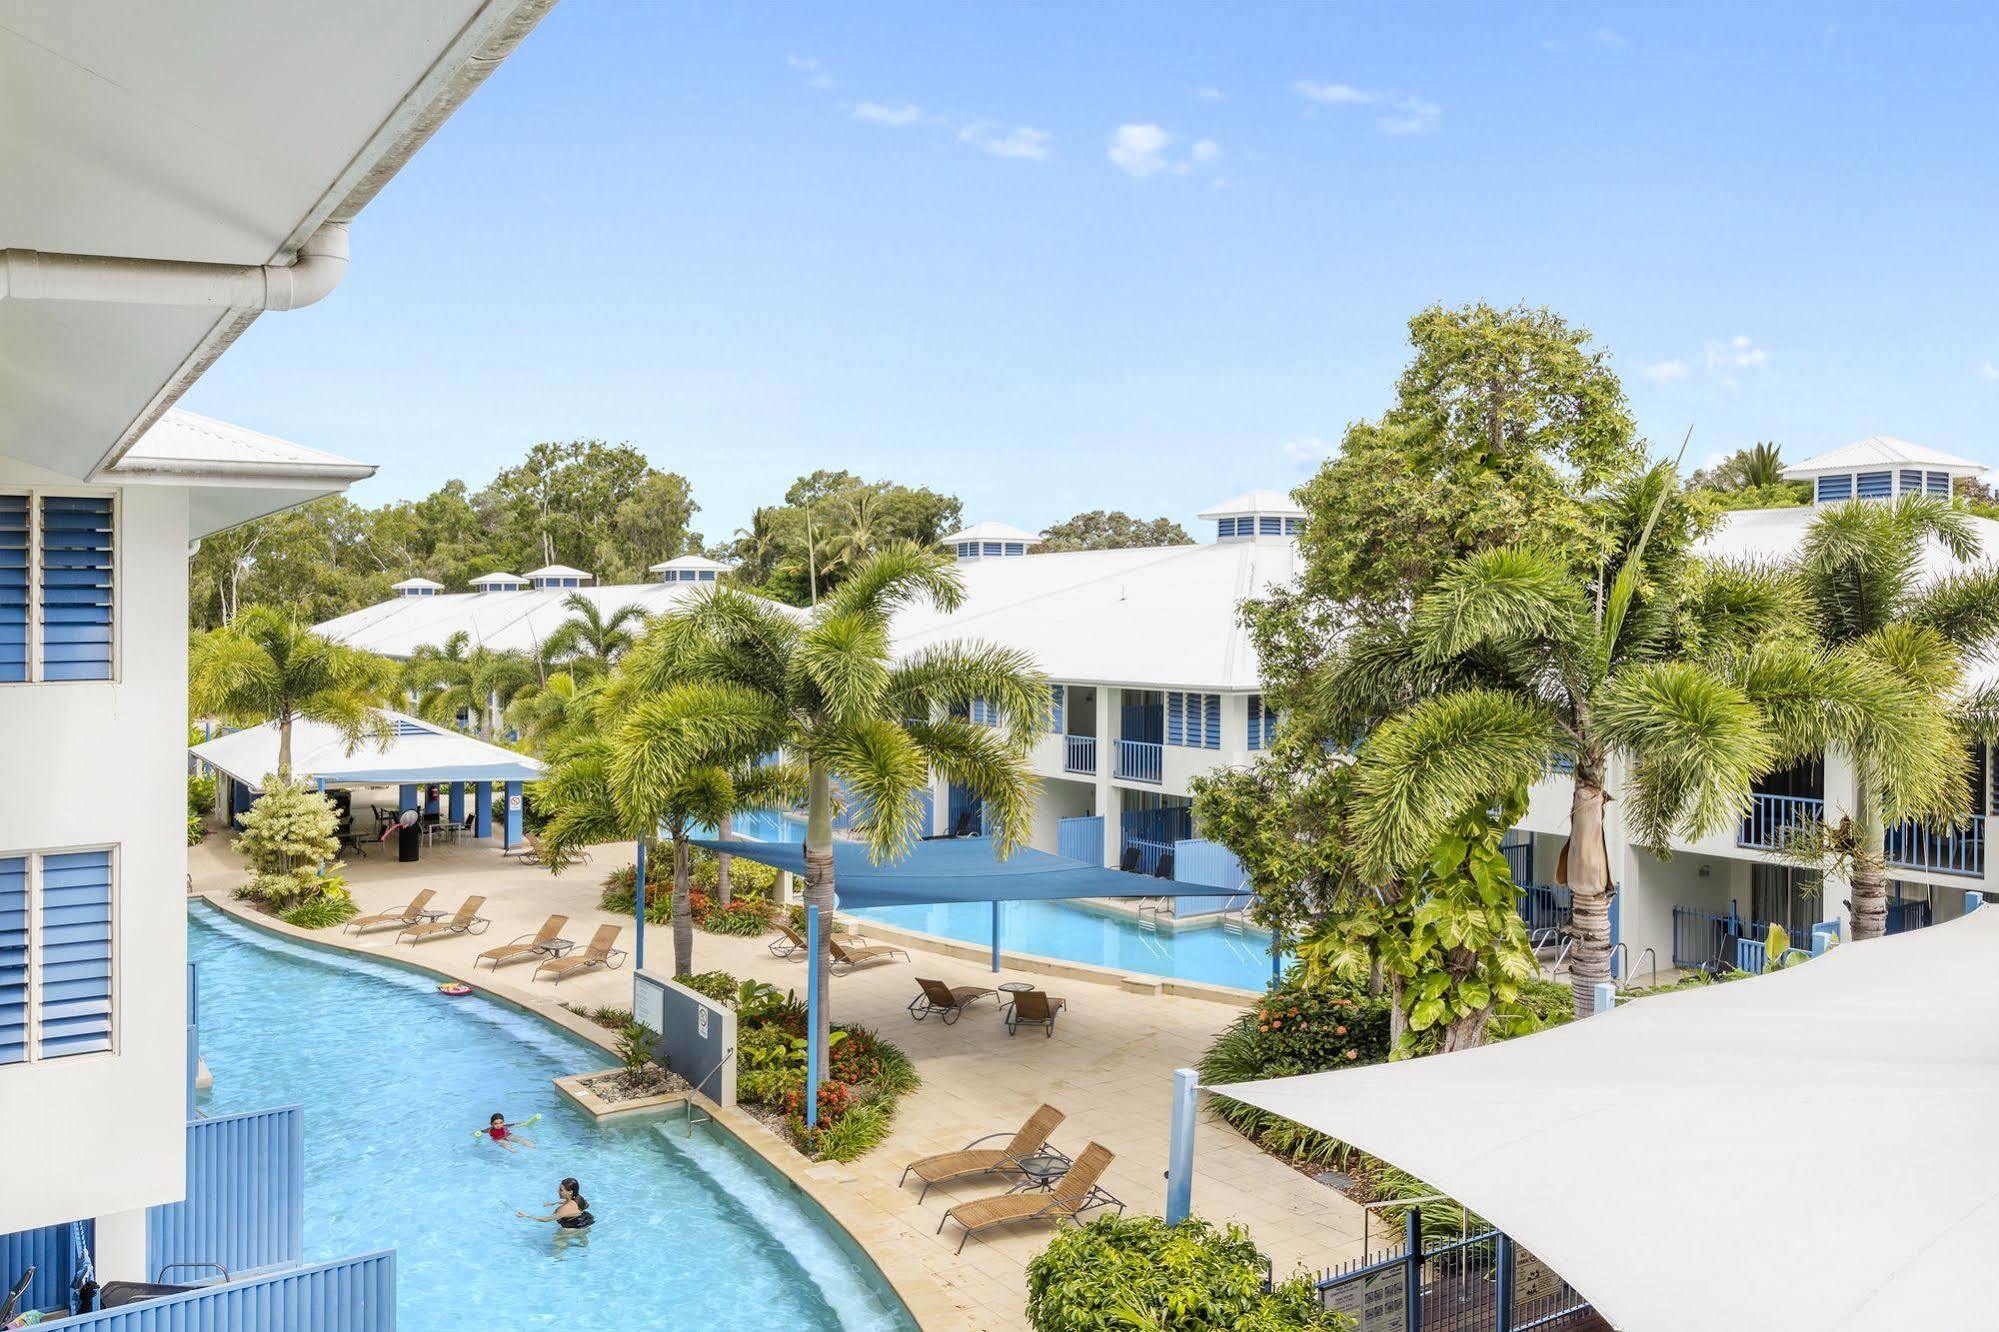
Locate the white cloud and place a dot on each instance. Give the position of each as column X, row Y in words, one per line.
column 815, row 75
column 1332, row 94
column 1610, row 37
column 1022, row 142
column 1146, row 150
column 1211, row 94
column 876, row 113
column 1737, row 353
column 1989, row 372
column 1309, row 452
column 804, row 64
column 1413, row 116
column 1720, row 361
column 1665, row 372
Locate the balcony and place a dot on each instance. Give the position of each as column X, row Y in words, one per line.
column 1079, row 753
column 1140, row 760
column 1959, row 849
column 1775, row 821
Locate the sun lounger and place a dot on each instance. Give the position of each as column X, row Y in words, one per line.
column 532, row 852
column 600, row 955
column 467, row 921
column 528, row 945
column 1033, row 1008
column 400, row 917
column 976, row 1160
column 1072, row 1195
column 790, row 943
column 945, row 1001
column 850, row 958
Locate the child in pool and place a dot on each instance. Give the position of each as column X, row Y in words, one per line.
column 500, row 1131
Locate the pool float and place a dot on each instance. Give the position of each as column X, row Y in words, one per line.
column 454, row 989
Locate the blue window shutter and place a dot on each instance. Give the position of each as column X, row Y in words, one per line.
column 1256, row 721
column 1912, row 483
column 13, row 960
column 1060, row 696
column 1175, row 724
column 1290, row 526
column 1272, row 526
column 13, row 590
column 1015, row 548
column 1939, row 483
column 707, row 576
column 990, row 548
column 1214, row 731
column 1833, row 488
column 76, row 588
column 1225, row 527
column 74, row 984
column 1875, row 485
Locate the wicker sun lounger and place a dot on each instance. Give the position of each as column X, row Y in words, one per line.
column 1073, row 1194
column 973, row 1159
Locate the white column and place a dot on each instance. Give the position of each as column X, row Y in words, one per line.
column 120, row 1251
column 1107, row 795
column 940, row 805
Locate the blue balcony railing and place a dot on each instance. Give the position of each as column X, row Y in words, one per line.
column 1079, row 753
column 1958, row 849
column 1140, row 760
column 350, row 1295
column 1775, row 821
column 244, row 1205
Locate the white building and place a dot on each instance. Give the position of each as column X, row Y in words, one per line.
column 170, row 173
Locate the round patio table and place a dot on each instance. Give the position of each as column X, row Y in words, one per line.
column 1018, row 987
column 1040, row 1171
column 556, row 947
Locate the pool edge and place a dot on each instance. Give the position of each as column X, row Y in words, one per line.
column 929, row 1304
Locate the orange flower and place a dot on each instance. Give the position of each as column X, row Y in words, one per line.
column 1353, row 1054
column 1264, row 1027
column 1339, row 1031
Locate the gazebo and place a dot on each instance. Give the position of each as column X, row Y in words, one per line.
column 418, row 757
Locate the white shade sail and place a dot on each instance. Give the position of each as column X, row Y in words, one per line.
column 1804, row 1150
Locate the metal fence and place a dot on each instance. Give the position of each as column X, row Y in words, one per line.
column 349, row 1295
column 244, row 1207
column 1140, row 760
column 1475, row 1283
column 1958, row 849
column 1774, row 821
column 1544, row 906
column 1079, row 753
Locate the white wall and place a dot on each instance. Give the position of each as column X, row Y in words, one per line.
column 1061, row 800
column 1652, row 887
column 91, row 763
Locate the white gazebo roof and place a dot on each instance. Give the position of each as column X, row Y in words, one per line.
column 1808, row 1145
column 499, row 578
column 1254, row 502
column 558, row 571
column 418, row 752
column 1883, row 451
column 691, row 562
column 415, row 582
column 991, row 532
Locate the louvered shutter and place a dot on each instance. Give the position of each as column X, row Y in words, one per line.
column 13, row 960
column 1175, row 723
column 1213, row 738
column 76, row 588
column 13, row 587
column 73, row 988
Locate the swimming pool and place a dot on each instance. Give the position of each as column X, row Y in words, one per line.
column 1072, row 933
column 693, row 1232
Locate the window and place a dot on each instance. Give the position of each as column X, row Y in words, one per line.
column 1875, row 485
column 1016, row 548
column 707, row 575
column 1194, row 720
column 55, row 955
column 1940, row 483
column 1834, row 488
column 967, row 549
column 1290, row 527
column 989, row 548
column 1270, row 526
column 982, row 713
column 1224, row 528
column 1912, row 483
column 1262, row 722
column 1058, row 700
column 13, row 594
column 56, row 585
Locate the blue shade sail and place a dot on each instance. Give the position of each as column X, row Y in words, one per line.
column 76, row 588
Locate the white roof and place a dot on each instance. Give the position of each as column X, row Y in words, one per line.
column 418, row 752
column 416, row 582
column 499, row 578
column 233, row 474
column 1160, row 617
column 991, row 532
column 1884, row 451
column 558, row 571
column 691, row 562
column 1257, row 502
column 1730, row 1114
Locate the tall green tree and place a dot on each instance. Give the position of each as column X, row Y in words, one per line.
column 265, row 667
column 732, row 668
column 563, row 499
column 589, row 642
column 458, row 677
column 1111, row 530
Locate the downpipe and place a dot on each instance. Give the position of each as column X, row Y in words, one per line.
column 31, row 275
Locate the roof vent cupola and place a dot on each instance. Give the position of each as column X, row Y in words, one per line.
column 499, row 581
column 416, row 587
column 556, row 576
column 690, row 569
column 1881, row 467
column 1258, row 515
column 990, row 541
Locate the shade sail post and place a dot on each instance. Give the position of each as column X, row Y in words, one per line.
column 1605, row 998
column 1973, row 901
column 1503, row 1282
column 996, row 943
column 812, row 965
column 1180, row 1147
column 639, row 909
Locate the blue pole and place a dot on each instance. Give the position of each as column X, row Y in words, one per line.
column 639, row 908
column 1180, row 1147
column 458, row 802
column 996, row 907
column 482, row 810
column 513, row 813
column 1503, row 1283
column 812, row 965
column 1412, row 1266
column 1276, row 959
column 406, row 797
column 1973, row 901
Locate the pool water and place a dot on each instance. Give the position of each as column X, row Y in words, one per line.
column 692, row 1232
column 1210, row 956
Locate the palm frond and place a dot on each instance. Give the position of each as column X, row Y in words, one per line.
column 899, row 574
column 1962, row 607
column 1504, row 596
column 844, row 656
column 1696, row 744
column 884, row 770
column 989, row 765
column 938, row 676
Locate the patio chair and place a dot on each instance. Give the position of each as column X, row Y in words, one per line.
column 532, row 852
column 945, row 1001
column 843, row 956
column 1164, row 869
column 790, row 943
column 1073, row 1194
column 599, row 956
column 400, row 917
column 973, row 1159
column 1128, row 862
column 1033, row 1008
column 526, row 946
column 467, row 921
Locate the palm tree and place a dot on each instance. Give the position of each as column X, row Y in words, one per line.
column 264, row 667
column 829, row 691
column 544, row 714
column 1862, row 564
column 859, row 531
column 458, row 678
column 756, row 544
column 590, row 642
column 1762, row 465
column 593, row 797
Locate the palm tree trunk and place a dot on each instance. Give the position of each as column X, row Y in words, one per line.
column 819, row 891
column 1589, row 886
column 1398, row 1017
column 284, row 746
column 683, row 910
column 1868, row 887
column 722, row 885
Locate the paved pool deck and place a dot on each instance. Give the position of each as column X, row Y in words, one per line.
column 1108, row 1067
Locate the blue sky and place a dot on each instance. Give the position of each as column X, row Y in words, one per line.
column 1144, row 256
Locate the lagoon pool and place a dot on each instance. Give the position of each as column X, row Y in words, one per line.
column 692, row 1232
column 1074, row 933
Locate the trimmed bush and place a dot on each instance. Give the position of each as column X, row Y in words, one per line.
column 332, row 907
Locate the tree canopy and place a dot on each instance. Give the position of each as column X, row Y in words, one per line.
column 1113, row 529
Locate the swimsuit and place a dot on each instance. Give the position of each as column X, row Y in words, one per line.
column 498, row 1133
column 581, row 1221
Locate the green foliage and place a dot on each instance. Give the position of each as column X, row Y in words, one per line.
column 1443, row 1218
column 769, row 1086
column 456, row 676
column 717, row 985
column 852, row 1134
column 288, row 839
column 1114, row 530
column 849, row 519
column 635, row 1046
column 200, row 800
column 333, row 906
column 1139, row 1272
column 267, row 667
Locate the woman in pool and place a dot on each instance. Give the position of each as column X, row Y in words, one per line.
column 500, row 1131
column 571, row 1215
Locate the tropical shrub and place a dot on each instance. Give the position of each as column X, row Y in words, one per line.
column 333, row 906
column 635, row 1046
column 769, row 1086
column 835, row 1100
column 744, row 917
column 289, row 839
column 717, row 985
column 746, row 877
column 1139, row 1272
column 855, row 1133
column 200, row 799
